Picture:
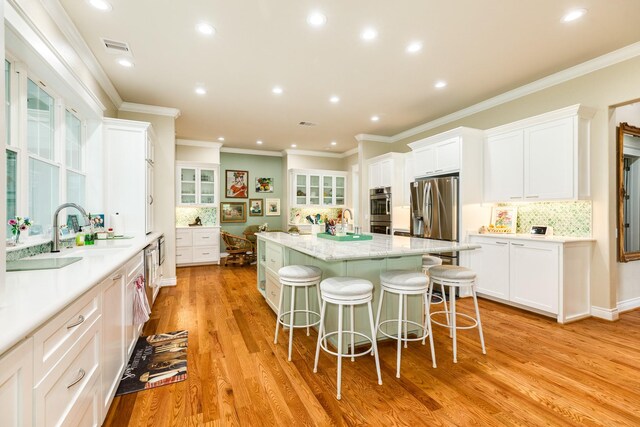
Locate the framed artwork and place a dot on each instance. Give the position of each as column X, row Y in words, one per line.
column 273, row 207
column 264, row 185
column 236, row 184
column 256, row 207
column 72, row 223
column 233, row 212
column 503, row 219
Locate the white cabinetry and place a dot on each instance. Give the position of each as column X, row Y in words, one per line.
column 545, row 157
column 318, row 187
column 16, row 386
column 199, row 245
column 134, row 268
column 387, row 171
column 113, row 344
column 550, row 277
column 197, row 184
column 436, row 157
column 129, row 172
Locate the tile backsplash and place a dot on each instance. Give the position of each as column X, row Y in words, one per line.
column 299, row 215
column 571, row 219
column 186, row 216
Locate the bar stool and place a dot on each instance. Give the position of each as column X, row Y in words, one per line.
column 297, row 276
column 404, row 283
column 428, row 262
column 456, row 277
column 346, row 291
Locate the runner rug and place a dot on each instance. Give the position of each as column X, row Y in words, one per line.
column 156, row 360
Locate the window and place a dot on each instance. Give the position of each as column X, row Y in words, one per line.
column 74, row 159
column 12, row 186
column 7, row 100
column 40, row 121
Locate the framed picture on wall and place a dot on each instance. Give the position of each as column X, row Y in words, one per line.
column 236, row 184
column 273, row 207
column 256, row 207
column 264, row 185
column 233, row 212
column 503, row 220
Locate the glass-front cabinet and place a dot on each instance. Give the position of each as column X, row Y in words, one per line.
column 318, row 188
column 197, row 184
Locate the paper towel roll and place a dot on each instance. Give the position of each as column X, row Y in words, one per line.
column 117, row 223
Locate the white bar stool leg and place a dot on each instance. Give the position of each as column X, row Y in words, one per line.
column 306, row 300
column 475, row 303
column 291, row 317
column 399, row 335
column 320, row 305
column 452, row 302
column 275, row 339
column 406, row 334
column 339, row 380
column 353, row 346
column 374, row 344
column 320, row 332
column 427, row 325
column 378, row 315
column 444, row 301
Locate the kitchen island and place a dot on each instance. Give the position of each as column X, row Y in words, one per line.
column 364, row 259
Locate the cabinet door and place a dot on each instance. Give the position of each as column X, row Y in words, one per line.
column 491, row 264
column 207, row 187
column 314, row 190
column 340, row 191
column 301, row 190
column 534, row 273
column 424, row 161
column 447, row 156
column 375, row 170
column 328, row 187
column 148, row 214
column 549, row 160
column 16, row 386
column 187, row 186
column 503, row 167
column 386, row 173
column 113, row 351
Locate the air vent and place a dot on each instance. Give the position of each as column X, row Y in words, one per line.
column 307, row 124
column 116, row 47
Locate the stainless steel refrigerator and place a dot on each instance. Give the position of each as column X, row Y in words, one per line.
column 434, row 208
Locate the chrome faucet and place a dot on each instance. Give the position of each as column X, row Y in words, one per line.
column 56, row 233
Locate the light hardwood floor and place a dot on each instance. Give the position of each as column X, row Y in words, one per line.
column 536, row 372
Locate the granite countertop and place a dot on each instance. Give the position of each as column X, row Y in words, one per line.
column 33, row 297
column 527, row 236
column 381, row 246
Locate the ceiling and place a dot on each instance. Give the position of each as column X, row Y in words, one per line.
column 480, row 48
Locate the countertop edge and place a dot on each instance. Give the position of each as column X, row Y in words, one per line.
column 549, row 239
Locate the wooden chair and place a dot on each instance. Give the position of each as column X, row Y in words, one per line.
column 240, row 249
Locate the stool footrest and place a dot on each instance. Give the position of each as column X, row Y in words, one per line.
column 346, row 333
column 283, row 323
column 411, row 322
column 466, row 316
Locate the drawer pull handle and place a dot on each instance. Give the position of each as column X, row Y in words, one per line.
column 205, row 253
column 204, row 237
column 118, row 277
column 501, row 243
column 517, row 244
column 78, row 322
column 81, row 374
column 532, row 197
column 515, row 197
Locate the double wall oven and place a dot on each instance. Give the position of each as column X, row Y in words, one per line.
column 380, row 210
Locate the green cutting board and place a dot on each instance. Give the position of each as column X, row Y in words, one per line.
column 350, row 237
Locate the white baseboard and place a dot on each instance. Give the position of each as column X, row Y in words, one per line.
column 168, row 281
column 629, row 304
column 605, row 313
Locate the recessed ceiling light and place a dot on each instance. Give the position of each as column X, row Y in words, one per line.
column 277, row 90
column 574, row 14
column 316, row 19
column 206, row 29
column 100, row 5
column 221, row 138
column 201, row 91
column 259, row 142
column 414, row 47
column 125, row 63
column 334, row 143
column 293, row 145
column 440, row 84
column 375, row 118
column 369, row 34
column 334, row 99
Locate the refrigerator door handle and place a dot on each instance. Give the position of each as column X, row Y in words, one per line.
column 388, row 206
column 428, row 210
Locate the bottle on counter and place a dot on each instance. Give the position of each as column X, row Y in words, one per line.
column 80, row 238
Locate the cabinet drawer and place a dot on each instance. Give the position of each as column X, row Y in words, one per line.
column 205, row 238
column 69, row 382
column 184, row 255
column 274, row 257
column 272, row 288
column 184, row 238
column 206, row 254
column 56, row 338
column 134, row 266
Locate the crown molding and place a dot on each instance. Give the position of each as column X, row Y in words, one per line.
column 149, row 109
column 313, row 153
column 350, row 152
column 194, row 143
column 80, row 46
column 375, row 138
column 251, row 152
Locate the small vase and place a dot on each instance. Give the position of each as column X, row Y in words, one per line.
column 16, row 237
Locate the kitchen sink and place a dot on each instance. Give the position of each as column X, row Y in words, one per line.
column 28, row 264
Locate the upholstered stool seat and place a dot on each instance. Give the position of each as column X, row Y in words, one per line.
column 405, row 283
column 297, row 276
column 456, row 277
column 346, row 291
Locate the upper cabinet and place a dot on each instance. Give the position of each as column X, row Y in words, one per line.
column 196, row 184
column 386, row 171
column 318, row 187
column 545, row 157
column 436, row 158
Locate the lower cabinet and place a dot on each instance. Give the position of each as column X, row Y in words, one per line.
column 16, row 386
column 199, row 245
column 534, row 275
column 113, row 344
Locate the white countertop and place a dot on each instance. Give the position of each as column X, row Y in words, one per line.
column 197, row 227
column 33, row 297
column 381, row 246
column 526, row 236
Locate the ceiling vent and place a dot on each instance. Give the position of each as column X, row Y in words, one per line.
column 116, row 47
column 307, row 124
